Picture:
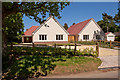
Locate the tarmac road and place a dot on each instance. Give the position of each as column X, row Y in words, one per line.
column 95, row 74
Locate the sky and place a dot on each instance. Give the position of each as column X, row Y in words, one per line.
column 79, row 11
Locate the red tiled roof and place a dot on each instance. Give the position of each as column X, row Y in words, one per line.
column 107, row 33
column 76, row 28
column 30, row 30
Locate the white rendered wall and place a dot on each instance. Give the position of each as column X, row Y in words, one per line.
column 51, row 32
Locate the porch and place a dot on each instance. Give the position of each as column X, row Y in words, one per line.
column 26, row 39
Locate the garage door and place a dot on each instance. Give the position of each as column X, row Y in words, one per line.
column 110, row 38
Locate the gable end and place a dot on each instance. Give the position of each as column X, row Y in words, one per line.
column 45, row 23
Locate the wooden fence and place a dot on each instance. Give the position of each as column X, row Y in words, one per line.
column 110, row 43
column 54, row 45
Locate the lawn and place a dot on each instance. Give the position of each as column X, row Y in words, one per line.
column 76, row 65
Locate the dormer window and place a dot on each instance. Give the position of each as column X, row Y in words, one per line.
column 46, row 25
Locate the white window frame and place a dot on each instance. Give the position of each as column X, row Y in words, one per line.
column 59, row 36
column 87, row 38
column 41, row 38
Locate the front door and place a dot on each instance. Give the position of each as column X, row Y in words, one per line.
column 71, row 38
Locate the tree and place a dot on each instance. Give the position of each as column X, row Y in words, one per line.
column 33, row 10
column 14, row 27
column 117, row 16
column 65, row 26
column 108, row 23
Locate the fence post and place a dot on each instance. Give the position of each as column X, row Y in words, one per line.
column 55, row 47
column 69, row 47
column 75, row 49
column 97, row 48
column 110, row 44
column 33, row 45
column 65, row 46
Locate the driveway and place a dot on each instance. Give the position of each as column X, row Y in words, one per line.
column 110, row 58
column 108, row 52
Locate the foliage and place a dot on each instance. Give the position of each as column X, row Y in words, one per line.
column 101, row 44
column 34, row 9
column 29, row 66
column 87, row 52
column 87, row 42
column 65, row 26
column 38, row 62
column 14, row 27
column 117, row 16
column 34, row 66
column 108, row 23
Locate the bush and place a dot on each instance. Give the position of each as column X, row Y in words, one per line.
column 87, row 52
column 39, row 62
column 87, row 42
column 101, row 44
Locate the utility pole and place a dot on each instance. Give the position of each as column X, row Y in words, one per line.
column 107, row 28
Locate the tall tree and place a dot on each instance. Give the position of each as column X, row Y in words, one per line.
column 65, row 26
column 108, row 23
column 33, row 10
column 117, row 16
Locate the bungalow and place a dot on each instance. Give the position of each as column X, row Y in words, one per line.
column 49, row 31
column 85, row 31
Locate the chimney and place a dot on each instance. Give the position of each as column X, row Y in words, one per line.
column 73, row 24
column 26, row 29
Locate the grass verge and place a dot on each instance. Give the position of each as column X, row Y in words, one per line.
column 76, row 65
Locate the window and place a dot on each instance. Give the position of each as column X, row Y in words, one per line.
column 110, row 36
column 42, row 37
column 86, row 37
column 59, row 37
column 27, row 38
column 98, row 37
column 94, row 32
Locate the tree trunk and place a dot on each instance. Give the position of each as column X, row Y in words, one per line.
column 4, row 37
column 4, row 43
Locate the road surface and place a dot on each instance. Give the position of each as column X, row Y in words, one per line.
column 95, row 74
